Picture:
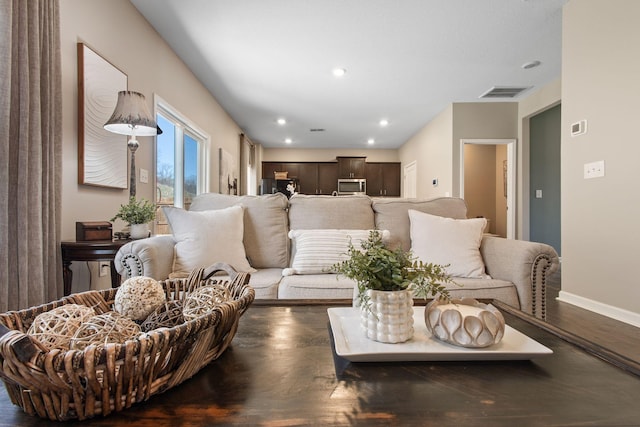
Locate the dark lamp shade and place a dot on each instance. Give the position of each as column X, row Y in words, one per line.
column 131, row 114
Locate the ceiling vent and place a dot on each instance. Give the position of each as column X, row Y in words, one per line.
column 504, row 91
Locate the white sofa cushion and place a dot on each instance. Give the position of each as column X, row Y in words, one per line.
column 316, row 286
column 204, row 238
column 318, row 250
column 448, row 241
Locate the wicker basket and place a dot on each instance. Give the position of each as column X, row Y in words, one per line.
column 63, row 385
column 281, row 175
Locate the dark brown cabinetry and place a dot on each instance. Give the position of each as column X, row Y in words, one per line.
column 327, row 178
column 351, row 167
column 383, row 179
column 313, row 177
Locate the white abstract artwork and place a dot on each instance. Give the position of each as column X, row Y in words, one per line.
column 102, row 155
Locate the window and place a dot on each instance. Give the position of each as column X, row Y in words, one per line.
column 182, row 161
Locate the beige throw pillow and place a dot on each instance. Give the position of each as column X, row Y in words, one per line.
column 206, row 237
column 440, row 240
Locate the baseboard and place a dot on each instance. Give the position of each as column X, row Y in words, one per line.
column 616, row 313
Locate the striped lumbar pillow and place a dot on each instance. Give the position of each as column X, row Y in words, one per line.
column 317, row 250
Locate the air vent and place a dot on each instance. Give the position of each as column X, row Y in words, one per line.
column 316, row 130
column 504, row 91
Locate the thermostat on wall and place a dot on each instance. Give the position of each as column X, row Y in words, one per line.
column 578, row 128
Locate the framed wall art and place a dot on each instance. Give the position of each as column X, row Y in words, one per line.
column 228, row 173
column 102, row 155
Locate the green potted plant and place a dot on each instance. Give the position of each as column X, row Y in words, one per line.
column 137, row 213
column 387, row 280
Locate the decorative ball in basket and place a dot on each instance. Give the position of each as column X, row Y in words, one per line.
column 106, row 372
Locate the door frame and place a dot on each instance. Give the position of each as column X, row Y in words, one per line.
column 511, row 176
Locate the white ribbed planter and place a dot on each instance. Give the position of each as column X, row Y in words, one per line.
column 389, row 318
column 139, row 231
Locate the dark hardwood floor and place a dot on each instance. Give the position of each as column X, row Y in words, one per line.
column 618, row 337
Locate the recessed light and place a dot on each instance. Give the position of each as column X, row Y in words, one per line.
column 529, row 65
column 339, row 72
column 288, row 141
column 281, row 121
column 384, row 122
column 371, row 141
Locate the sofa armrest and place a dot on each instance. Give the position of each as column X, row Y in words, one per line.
column 523, row 263
column 152, row 257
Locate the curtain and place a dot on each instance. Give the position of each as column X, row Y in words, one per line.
column 30, row 153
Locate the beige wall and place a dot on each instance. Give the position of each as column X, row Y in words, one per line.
column 116, row 31
column 436, row 147
column 499, row 225
column 481, row 120
column 601, row 84
column 430, row 148
column 484, row 185
column 480, row 181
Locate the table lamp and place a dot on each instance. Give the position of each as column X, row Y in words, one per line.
column 132, row 117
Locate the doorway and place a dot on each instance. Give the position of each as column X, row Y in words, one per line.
column 489, row 165
column 544, row 177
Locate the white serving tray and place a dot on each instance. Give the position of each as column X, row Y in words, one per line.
column 353, row 345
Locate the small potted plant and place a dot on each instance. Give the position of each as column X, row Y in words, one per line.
column 387, row 280
column 137, row 213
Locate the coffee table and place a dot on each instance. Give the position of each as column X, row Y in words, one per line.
column 281, row 369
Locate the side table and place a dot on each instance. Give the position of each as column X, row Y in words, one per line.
column 92, row 250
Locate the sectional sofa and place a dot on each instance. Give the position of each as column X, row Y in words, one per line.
column 274, row 239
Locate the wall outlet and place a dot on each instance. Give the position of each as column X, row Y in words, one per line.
column 144, row 176
column 594, row 169
column 104, row 268
column 538, row 194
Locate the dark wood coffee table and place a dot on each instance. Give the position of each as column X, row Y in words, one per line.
column 281, row 370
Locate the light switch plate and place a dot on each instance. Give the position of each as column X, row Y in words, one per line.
column 538, row 194
column 144, row 176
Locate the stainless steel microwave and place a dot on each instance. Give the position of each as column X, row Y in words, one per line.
column 352, row 186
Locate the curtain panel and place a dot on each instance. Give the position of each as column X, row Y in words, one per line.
column 30, row 153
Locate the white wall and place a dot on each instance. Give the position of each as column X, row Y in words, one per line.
column 601, row 84
column 116, row 31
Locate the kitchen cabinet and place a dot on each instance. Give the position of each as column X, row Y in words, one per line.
column 383, row 179
column 327, row 178
column 268, row 169
column 313, row 177
column 351, row 167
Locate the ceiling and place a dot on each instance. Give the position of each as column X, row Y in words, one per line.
column 405, row 61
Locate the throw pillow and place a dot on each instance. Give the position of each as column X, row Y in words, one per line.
column 456, row 242
column 206, row 237
column 318, row 250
